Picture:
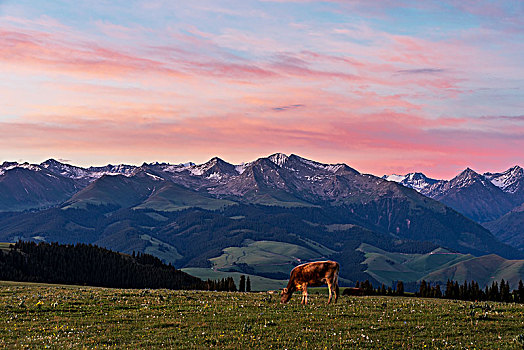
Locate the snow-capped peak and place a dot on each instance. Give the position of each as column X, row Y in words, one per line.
column 242, row 167
column 198, row 170
column 172, row 168
column 120, row 169
column 66, row 170
column 6, row 166
column 394, row 177
column 333, row 168
column 467, row 178
column 278, row 158
column 417, row 181
column 509, row 180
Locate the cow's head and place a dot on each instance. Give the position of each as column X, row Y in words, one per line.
column 286, row 295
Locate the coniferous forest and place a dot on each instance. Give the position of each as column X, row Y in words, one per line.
column 470, row 291
column 85, row 264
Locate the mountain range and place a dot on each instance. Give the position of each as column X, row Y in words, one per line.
column 495, row 200
column 262, row 217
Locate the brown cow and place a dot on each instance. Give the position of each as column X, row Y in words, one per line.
column 312, row 274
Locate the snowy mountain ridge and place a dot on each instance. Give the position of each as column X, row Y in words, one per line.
column 482, row 197
column 509, row 181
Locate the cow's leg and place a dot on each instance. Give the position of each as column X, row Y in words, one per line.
column 330, row 289
column 304, row 294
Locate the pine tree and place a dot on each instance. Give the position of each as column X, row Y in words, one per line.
column 400, row 288
column 367, row 287
column 423, row 291
column 494, row 294
column 438, row 292
column 242, row 286
column 456, row 291
column 230, row 285
column 448, row 294
column 505, row 294
column 248, row 285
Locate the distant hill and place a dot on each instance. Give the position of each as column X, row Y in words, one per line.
column 440, row 265
column 386, row 267
column 484, row 270
column 509, row 228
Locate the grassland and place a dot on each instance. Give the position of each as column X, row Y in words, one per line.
column 40, row 316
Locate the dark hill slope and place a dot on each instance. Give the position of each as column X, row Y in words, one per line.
column 89, row 265
column 23, row 188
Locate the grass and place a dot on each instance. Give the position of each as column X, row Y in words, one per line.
column 40, row 316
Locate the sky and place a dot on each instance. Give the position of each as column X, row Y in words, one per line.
column 384, row 86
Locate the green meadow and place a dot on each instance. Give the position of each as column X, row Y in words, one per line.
column 40, row 316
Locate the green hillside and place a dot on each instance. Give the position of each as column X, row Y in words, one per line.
column 509, row 228
column 172, row 197
column 387, row 267
column 484, row 270
column 264, row 258
column 164, row 251
column 115, row 191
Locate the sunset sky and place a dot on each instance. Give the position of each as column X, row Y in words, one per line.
column 384, row 86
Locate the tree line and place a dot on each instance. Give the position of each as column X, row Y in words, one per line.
column 466, row 291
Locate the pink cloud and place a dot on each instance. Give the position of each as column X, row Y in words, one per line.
column 389, row 140
column 44, row 51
